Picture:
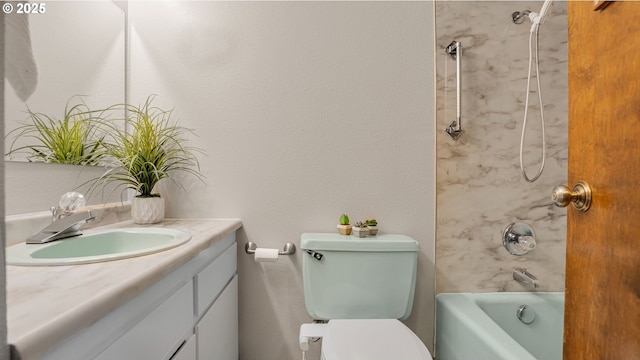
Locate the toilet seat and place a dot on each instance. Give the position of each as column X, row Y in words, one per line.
column 371, row 339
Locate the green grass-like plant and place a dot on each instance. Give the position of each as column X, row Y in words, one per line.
column 75, row 139
column 148, row 148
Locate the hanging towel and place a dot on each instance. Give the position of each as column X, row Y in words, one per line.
column 21, row 69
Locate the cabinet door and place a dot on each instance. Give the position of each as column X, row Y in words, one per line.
column 158, row 334
column 188, row 351
column 217, row 331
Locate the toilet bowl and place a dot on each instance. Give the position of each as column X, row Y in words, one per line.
column 371, row 339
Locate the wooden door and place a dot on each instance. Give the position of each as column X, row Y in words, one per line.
column 602, row 306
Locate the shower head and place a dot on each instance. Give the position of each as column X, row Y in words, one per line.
column 543, row 11
column 536, row 18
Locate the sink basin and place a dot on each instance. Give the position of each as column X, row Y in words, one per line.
column 97, row 246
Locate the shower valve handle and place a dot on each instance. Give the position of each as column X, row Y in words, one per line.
column 579, row 196
column 518, row 238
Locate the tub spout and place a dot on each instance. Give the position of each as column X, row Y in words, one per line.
column 525, row 278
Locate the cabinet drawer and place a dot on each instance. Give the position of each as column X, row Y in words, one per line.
column 213, row 278
column 159, row 333
column 217, row 331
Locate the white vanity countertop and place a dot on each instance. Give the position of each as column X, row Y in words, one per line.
column 48, row 304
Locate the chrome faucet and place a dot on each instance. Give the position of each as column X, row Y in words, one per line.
column 58, row 213
column 68, row 204
column 62, row 228
column 525, row 278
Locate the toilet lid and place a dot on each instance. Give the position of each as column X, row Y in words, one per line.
column 371, row 339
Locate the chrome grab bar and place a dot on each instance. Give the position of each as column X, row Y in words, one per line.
column 455, row 51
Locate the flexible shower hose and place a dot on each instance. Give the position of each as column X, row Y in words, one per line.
column 526, row 109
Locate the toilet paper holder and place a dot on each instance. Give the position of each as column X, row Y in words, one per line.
column 289, row 248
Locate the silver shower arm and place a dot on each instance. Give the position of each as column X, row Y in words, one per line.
column 518, row 16
column 536, row 19
column 455, row 51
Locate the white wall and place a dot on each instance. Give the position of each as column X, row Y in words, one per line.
column 306, row 110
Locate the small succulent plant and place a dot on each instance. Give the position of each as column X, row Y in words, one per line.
column 360, row 229
column 360, row 224
column 343, row 227
column 372, row 225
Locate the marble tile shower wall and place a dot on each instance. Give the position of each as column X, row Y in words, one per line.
column 479, row 187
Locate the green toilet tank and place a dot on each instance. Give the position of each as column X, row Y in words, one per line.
column 358, row 278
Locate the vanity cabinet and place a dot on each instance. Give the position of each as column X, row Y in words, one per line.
column 190, row 314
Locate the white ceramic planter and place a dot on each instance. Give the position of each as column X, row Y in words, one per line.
column 147, row 210
column 360, row 231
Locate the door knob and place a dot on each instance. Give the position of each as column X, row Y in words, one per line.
column 580, row 196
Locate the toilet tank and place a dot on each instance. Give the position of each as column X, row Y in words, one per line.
column 358, row 278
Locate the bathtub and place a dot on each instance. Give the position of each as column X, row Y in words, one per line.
column 486, row 326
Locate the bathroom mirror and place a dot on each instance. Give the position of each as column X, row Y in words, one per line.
column 78, row 48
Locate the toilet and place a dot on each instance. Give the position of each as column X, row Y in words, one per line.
column 361, row 287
